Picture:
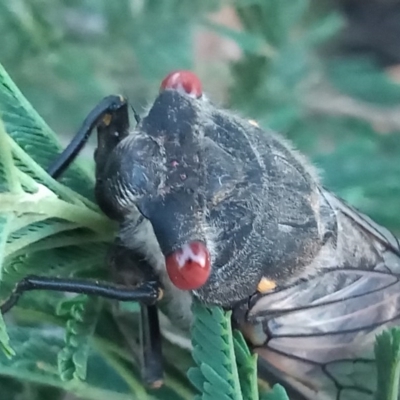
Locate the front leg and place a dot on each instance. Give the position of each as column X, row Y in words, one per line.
column 147, row 293
column 130, row 268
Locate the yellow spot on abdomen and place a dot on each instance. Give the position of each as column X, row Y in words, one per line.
column 265, row 285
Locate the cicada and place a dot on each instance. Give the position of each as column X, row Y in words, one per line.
column 213, row 207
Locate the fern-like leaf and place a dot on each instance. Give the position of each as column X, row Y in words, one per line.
column 225, row 367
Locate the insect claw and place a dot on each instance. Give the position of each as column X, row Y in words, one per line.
column 160, row 294
column 156, row 384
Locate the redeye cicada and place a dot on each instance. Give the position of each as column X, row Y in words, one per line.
column 211, row 206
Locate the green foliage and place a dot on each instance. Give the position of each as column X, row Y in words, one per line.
column 10, row 388
column 41, row 215
column 362, row 79
column 387, row 355
column 67, row 55
column 272, row 92
column 5, row 340
column 277, row 393
column 225, row 368
column 28, row 129
column 82, row 314
column 332, row 108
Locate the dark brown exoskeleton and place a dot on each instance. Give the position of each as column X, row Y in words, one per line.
column 224, row 211
column 309, row 279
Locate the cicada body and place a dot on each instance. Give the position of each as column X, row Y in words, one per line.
column 318, row 334
column 229, row 213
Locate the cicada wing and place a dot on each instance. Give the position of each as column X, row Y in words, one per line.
column 319, row 333
column 324, row 347
column 344, row 380
column 379, row 233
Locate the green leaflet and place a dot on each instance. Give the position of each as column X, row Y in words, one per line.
column 82, row 315
column 387, row 354
column 277, row 393
column 225, row 367
column 17, row 239
column 36, row 361
column 7, row 183
column 33, row 135
column 247, row 365
column 14, row 390
column 5, row 340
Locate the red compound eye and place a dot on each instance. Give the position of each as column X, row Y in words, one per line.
column 185, row 81
column 189, row 267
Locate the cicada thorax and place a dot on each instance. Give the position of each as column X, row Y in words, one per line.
column 317, row 335
column 263, row 203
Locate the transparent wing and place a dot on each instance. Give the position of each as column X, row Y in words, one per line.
column 320, row 332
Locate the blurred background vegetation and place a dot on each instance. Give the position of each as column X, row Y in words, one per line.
column 324, row 73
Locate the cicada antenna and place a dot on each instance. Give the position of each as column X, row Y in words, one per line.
column 109, row 106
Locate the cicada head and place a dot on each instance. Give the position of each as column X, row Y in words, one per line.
column 213, row 187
